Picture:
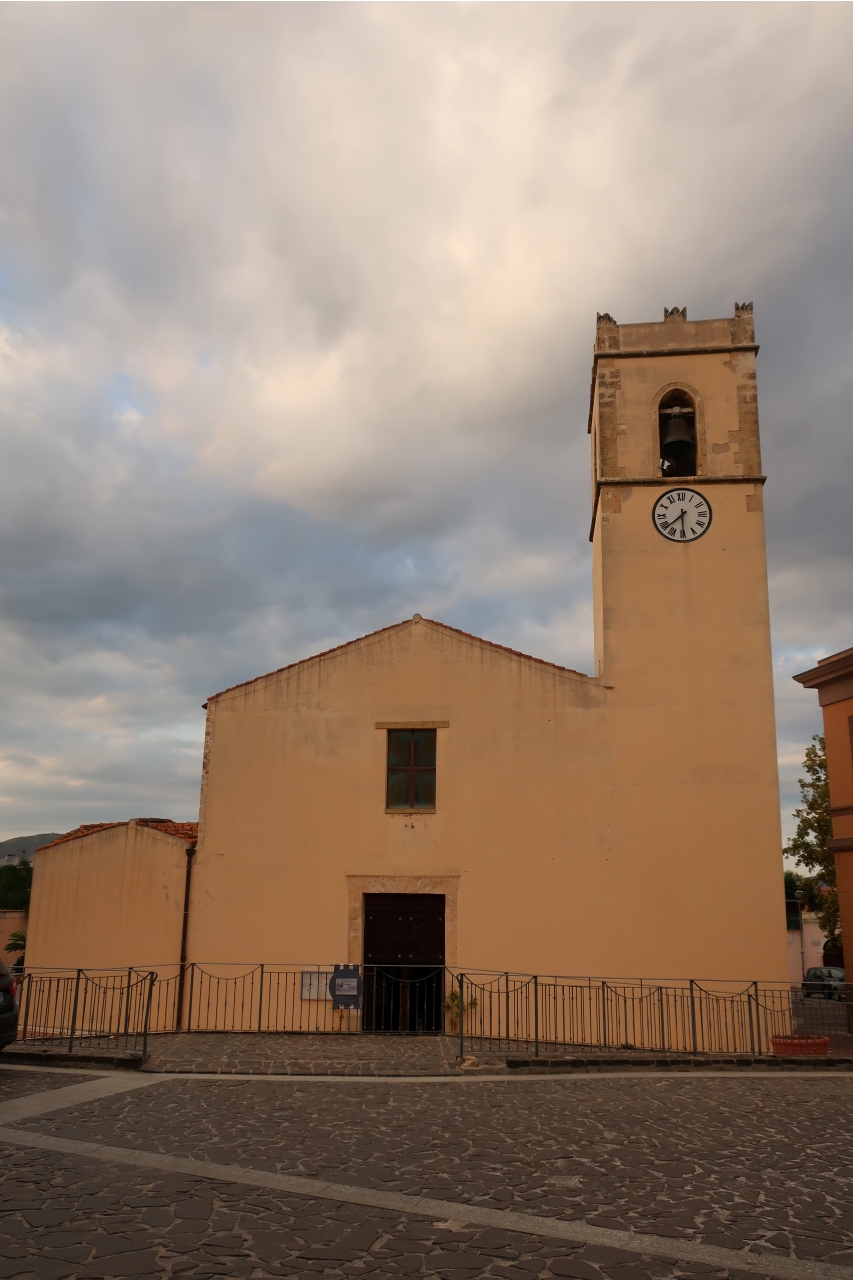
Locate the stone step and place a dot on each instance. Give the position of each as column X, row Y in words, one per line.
column 676, row 1062
column 53, row 1056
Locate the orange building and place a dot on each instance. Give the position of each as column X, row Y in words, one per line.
column 833, row 679
column 424, row 793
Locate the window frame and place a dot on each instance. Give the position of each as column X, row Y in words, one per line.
column 411, row 769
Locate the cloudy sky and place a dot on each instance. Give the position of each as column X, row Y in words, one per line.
column 296, row 312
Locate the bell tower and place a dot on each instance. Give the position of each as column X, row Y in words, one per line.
column 675, row 402
column 682, row 633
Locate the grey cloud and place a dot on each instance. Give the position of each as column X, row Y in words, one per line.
column 296, row 313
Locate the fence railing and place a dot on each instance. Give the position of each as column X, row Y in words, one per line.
column 553, row 1015
column 486, row 1012
column 97, row 1010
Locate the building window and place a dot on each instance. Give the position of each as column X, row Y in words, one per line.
column 411, row 769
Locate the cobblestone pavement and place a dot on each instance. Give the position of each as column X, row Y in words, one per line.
column 732, row 1162
column 69, row 1217
column 726, row 1161
column 305, row 1055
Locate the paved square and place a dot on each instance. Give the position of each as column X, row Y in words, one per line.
column 754, row 1170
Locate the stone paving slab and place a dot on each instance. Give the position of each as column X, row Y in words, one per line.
column 75, row 1217
column 254, row 1053
column 731, row 1162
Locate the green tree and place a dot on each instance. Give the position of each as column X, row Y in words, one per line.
column 16, row 881
column 811, row 888
column 814, row 827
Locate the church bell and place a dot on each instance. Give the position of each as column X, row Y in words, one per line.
column 678, row 439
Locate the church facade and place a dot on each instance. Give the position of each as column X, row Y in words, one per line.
column 425, row 792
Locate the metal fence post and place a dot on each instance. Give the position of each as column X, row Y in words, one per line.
column 664, row 1043
column 260, row 997
column 603, row 1036
column 151, row 979
column 751, row 1024
column 74, row 1010
column 26, row 982
column 127, row 1005
column 536, row 1013
column 461, row 1023
column 757, row 1018
column 693, row 1017
column 506, row 975
column 190, row 1001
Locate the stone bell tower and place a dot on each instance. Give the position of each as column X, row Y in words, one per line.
column 682, row 632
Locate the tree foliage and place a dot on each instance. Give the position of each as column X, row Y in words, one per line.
column 17, row 943
column 16, row 880
column 813, row 891
column 814, row 828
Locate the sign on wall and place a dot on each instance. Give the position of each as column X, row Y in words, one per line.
column 346, row 987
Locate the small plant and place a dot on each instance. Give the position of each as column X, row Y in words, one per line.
column 451, row 1006
column 17, row 945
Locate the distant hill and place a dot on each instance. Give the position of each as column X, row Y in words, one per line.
column 24, row 846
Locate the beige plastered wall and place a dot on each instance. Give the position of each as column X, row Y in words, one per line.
column 692, row 787
column 294, row 828
column 109, row 899
column 683, row 638
column 566, row 858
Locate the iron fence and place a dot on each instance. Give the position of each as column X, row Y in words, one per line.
column 484, row 1011
column 553, row 1015
column 98, row 1010
column 294, row 998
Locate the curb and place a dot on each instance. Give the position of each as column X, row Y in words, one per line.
column 639, row 1062
column 56, row 1058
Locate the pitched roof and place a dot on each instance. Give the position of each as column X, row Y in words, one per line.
column 395, row 627
column 183, row 830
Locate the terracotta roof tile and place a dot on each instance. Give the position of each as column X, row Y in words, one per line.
column 183, row 830
column 431, row 621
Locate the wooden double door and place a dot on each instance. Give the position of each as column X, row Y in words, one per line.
column 404, row 962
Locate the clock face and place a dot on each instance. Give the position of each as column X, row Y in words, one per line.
column 681, row 515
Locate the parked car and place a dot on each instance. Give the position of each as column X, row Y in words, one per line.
column 828, row 983
column 8, row 1006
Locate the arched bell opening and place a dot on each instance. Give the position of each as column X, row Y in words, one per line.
column 677, row 428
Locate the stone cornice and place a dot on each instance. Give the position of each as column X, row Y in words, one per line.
column 835, row 667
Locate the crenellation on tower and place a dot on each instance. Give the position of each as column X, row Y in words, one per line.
column 606, row 333
column 743, row 325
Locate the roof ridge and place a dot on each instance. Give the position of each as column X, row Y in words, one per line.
column 186, row 830
column 433, row 622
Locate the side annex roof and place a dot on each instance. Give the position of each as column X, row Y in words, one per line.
column 187, row 831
